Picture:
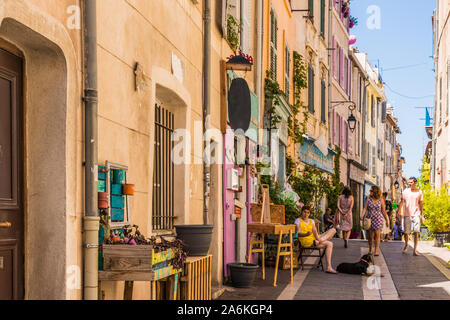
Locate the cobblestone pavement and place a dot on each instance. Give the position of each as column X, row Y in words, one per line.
column 405, row 276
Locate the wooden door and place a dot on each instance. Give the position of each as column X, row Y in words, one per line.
column 11, row 178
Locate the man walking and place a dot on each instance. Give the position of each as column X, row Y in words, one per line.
column 412, row 198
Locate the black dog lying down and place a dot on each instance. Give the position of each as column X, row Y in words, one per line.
column 357, row 267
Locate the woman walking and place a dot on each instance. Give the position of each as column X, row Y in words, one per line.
column 376, row 210
column 345, row 207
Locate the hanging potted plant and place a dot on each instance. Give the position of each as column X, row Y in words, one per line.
column 346, row 9
column 353, row 22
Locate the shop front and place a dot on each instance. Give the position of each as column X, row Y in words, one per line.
column 314, row 152
column 356, row 184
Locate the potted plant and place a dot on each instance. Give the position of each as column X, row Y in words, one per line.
column 242, row 274
column 197, row 238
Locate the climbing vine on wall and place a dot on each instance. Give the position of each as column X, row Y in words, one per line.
column 233, row 32
column 272, row 95
column 273, row 92
column 297, row 129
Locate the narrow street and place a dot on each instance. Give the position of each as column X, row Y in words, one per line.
column 404, row 277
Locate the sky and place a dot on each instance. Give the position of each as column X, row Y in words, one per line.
column 401, row 42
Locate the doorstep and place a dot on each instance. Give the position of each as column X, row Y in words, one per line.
column 217, row 291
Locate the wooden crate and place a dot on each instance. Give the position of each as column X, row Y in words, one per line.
column 277, row 214
column 286, row 262
column 195, row 281
column 127, row 257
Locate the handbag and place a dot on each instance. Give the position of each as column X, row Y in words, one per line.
column 366, row 223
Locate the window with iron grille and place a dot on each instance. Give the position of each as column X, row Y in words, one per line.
column 310, row 89
column 163, row 171
column 273, row 44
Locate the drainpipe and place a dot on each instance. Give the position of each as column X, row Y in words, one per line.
column 330, row 13
column 258, row 65
column 91, row 218
column 242, row 17
column 206, row 102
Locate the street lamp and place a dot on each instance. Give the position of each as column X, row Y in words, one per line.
column 352, row 122
column 351, row 119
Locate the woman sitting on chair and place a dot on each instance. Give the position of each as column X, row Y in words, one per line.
column 309, row 237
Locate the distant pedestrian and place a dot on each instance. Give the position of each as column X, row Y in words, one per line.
column 345, row 207
column 375, row 208
column 328, row 219
column 412, row 198
column 398, row 232
column 386, row 231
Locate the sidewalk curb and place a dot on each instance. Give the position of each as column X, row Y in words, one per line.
column 438, row 264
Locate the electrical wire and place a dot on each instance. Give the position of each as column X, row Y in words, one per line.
column 404, row 67
column 405, row 96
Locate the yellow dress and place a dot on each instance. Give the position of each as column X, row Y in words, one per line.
column 305, row 228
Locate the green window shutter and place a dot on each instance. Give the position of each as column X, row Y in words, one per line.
column 311, row 9
column 323, row 105
column 310, row 89
column 322, row 18
column 273, row 44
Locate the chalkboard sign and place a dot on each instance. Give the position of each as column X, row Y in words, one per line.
column 239, row 105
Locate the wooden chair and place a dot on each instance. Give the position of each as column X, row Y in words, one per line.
column 304, row 252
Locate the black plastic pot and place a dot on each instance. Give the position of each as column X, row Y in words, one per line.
column 242, row 274
column 197, row 238
column 440, row 238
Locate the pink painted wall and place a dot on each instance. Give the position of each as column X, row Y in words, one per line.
column 229, row 233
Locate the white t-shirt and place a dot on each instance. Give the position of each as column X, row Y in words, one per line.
column 412, row 200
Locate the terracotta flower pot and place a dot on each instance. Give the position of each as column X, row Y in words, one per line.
column 128, row 190
column 103, row 200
